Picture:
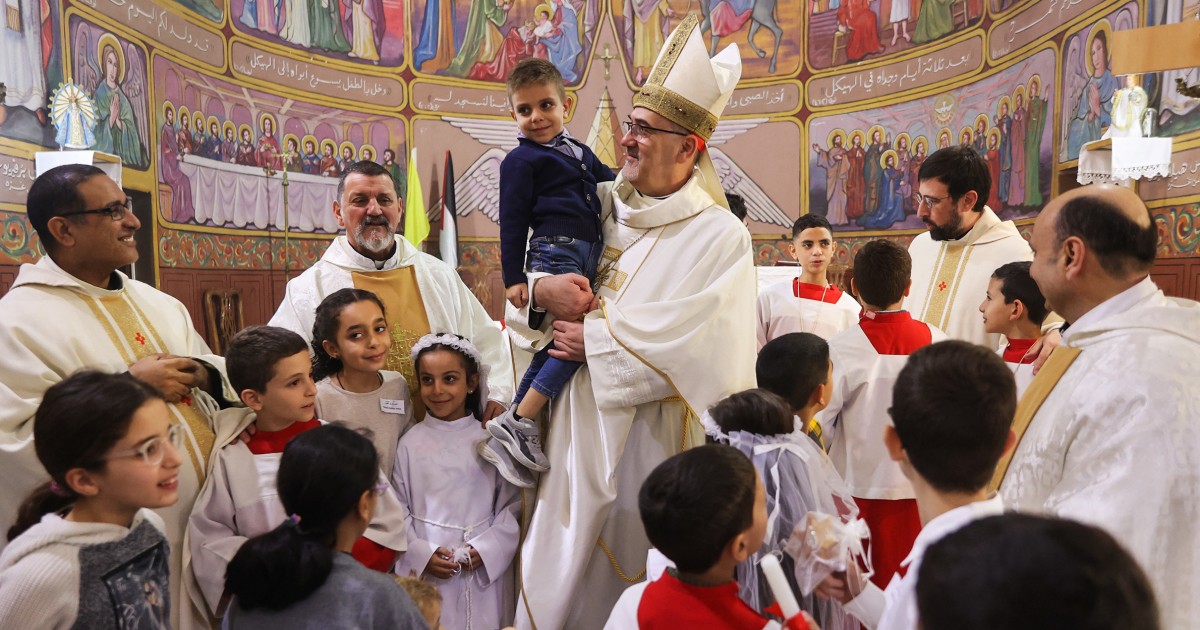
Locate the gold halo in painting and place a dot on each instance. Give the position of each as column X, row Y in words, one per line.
column 213, row 120
column 108, row 40
column 346, row 145
column 1020, row 93
column 984, row 119
column 837, row 133
column 228, row 126
column 906, row 138
column 293, row 138
column 243, row 129
column 1004, row 105
column 949, row 135
column 994, row 132
column 858, row 133
column 1035, row 80
column 167, row 106
column 265, row 116
column 964, row 136
column 1103, row 26
column 920, row 142
column 890, row 153
column 307, row 139
column 362, row 152
column 328, row 143
column 871, row 133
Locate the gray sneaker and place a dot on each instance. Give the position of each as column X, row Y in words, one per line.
column 494, row 454
column 520, row 436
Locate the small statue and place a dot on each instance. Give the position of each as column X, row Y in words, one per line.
column 74, row 116
column 1129, row 105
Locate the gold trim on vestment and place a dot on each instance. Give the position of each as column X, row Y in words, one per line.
column 1039, row 389
column 407, row 320
column 947, row 271
column 120, row 321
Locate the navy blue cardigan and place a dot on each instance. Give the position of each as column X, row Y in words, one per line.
column 552, row 193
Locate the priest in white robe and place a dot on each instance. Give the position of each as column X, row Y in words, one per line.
column 73, row 310
column 420, row 293
column 966, row 242
column 673, row 333
column 1108, row 430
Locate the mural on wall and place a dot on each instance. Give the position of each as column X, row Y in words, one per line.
column 211, row 9
column 30, row 69
column 1088, row 81
column 843, row 32
column 222, row 151
column 364, row 31
column 1177, row 114
column 113, row 71
column 756, row 26
column 865, row 175
column 484, row 39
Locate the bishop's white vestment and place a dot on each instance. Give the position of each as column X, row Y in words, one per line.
column 1116, row 442
column 449, row 306
column 950, row 278
column 52, row 325
column 674, row 334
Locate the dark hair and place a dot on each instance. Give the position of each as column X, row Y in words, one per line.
column 792, row 366
column 952, row 408
column 695, row 503
column 364, row 167
column 756, row 411
column 809, row 221
column 475, row 398
column 80, row 419
column 322, row 475
column 54, row 193
column 254, row 351
column 325, row 327
column 961, row 169
column 1035, row 573
column 1121, row 245
column 737, row 205
column 534, row 71
column 1017, row 284
column 882, row 270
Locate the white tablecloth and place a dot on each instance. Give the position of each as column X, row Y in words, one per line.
column 1127, row 159
column 243, row 196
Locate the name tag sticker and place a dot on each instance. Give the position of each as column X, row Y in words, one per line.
column 391, row 406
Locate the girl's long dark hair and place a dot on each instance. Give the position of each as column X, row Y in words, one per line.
column 322, row 475
column 78, row 422
column 325, row 327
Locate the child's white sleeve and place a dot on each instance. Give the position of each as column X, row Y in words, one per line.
column 624, row 614
column 212, row 535
column 868, row 606
column 497, row 545
column 42, row 591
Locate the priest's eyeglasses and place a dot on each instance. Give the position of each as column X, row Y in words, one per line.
column 928, row 201
column 641, row 131
column 153, row 450
column 115, row 211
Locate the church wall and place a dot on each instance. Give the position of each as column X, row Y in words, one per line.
column 364, row 78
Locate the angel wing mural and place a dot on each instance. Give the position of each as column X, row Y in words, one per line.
column 115, row 73
column 478, row 189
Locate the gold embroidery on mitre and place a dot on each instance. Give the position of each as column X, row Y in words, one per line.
column 667, row 103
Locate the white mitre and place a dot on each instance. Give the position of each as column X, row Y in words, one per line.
column 691, row 90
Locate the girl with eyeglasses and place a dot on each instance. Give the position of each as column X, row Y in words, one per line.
column 86, row 549
column 301, row 574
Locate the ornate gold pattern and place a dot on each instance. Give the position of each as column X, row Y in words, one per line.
column 677, row 109
column 945, row 273
column 407, row 319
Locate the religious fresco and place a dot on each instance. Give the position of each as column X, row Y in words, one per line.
column 223, row 150
column 758, row 27
column 113, row 71
column 30, row 69
column 483, row 39
column 363, row 31
column 863, row 166
column 1088, row 81
column 210, row 9
column 1177, row 114
column 843, row 32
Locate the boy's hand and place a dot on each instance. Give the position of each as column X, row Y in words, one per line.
column 518, row 295
column 441, row 566
column 842, row 586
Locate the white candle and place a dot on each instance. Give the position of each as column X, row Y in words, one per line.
column 779, row 586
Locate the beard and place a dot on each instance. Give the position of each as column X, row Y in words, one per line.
column 376, row 242
column 952, row 230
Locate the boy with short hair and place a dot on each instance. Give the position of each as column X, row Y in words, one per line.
column 271, row 369
column 797, row 368
column 1015, row 307
column 706, row 510
column 866, row 360
column 808, row 302
column 547, row 197
column 952, row 410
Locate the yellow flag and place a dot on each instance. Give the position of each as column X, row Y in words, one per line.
column 416, row 222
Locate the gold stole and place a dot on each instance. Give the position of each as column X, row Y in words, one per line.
column 943, row 285
column 1037, row 392
column 406, row 316
column 134, row 337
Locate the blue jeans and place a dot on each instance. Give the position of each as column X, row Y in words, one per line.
column 556, row 255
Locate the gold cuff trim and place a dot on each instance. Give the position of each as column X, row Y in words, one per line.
column 677, row 109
